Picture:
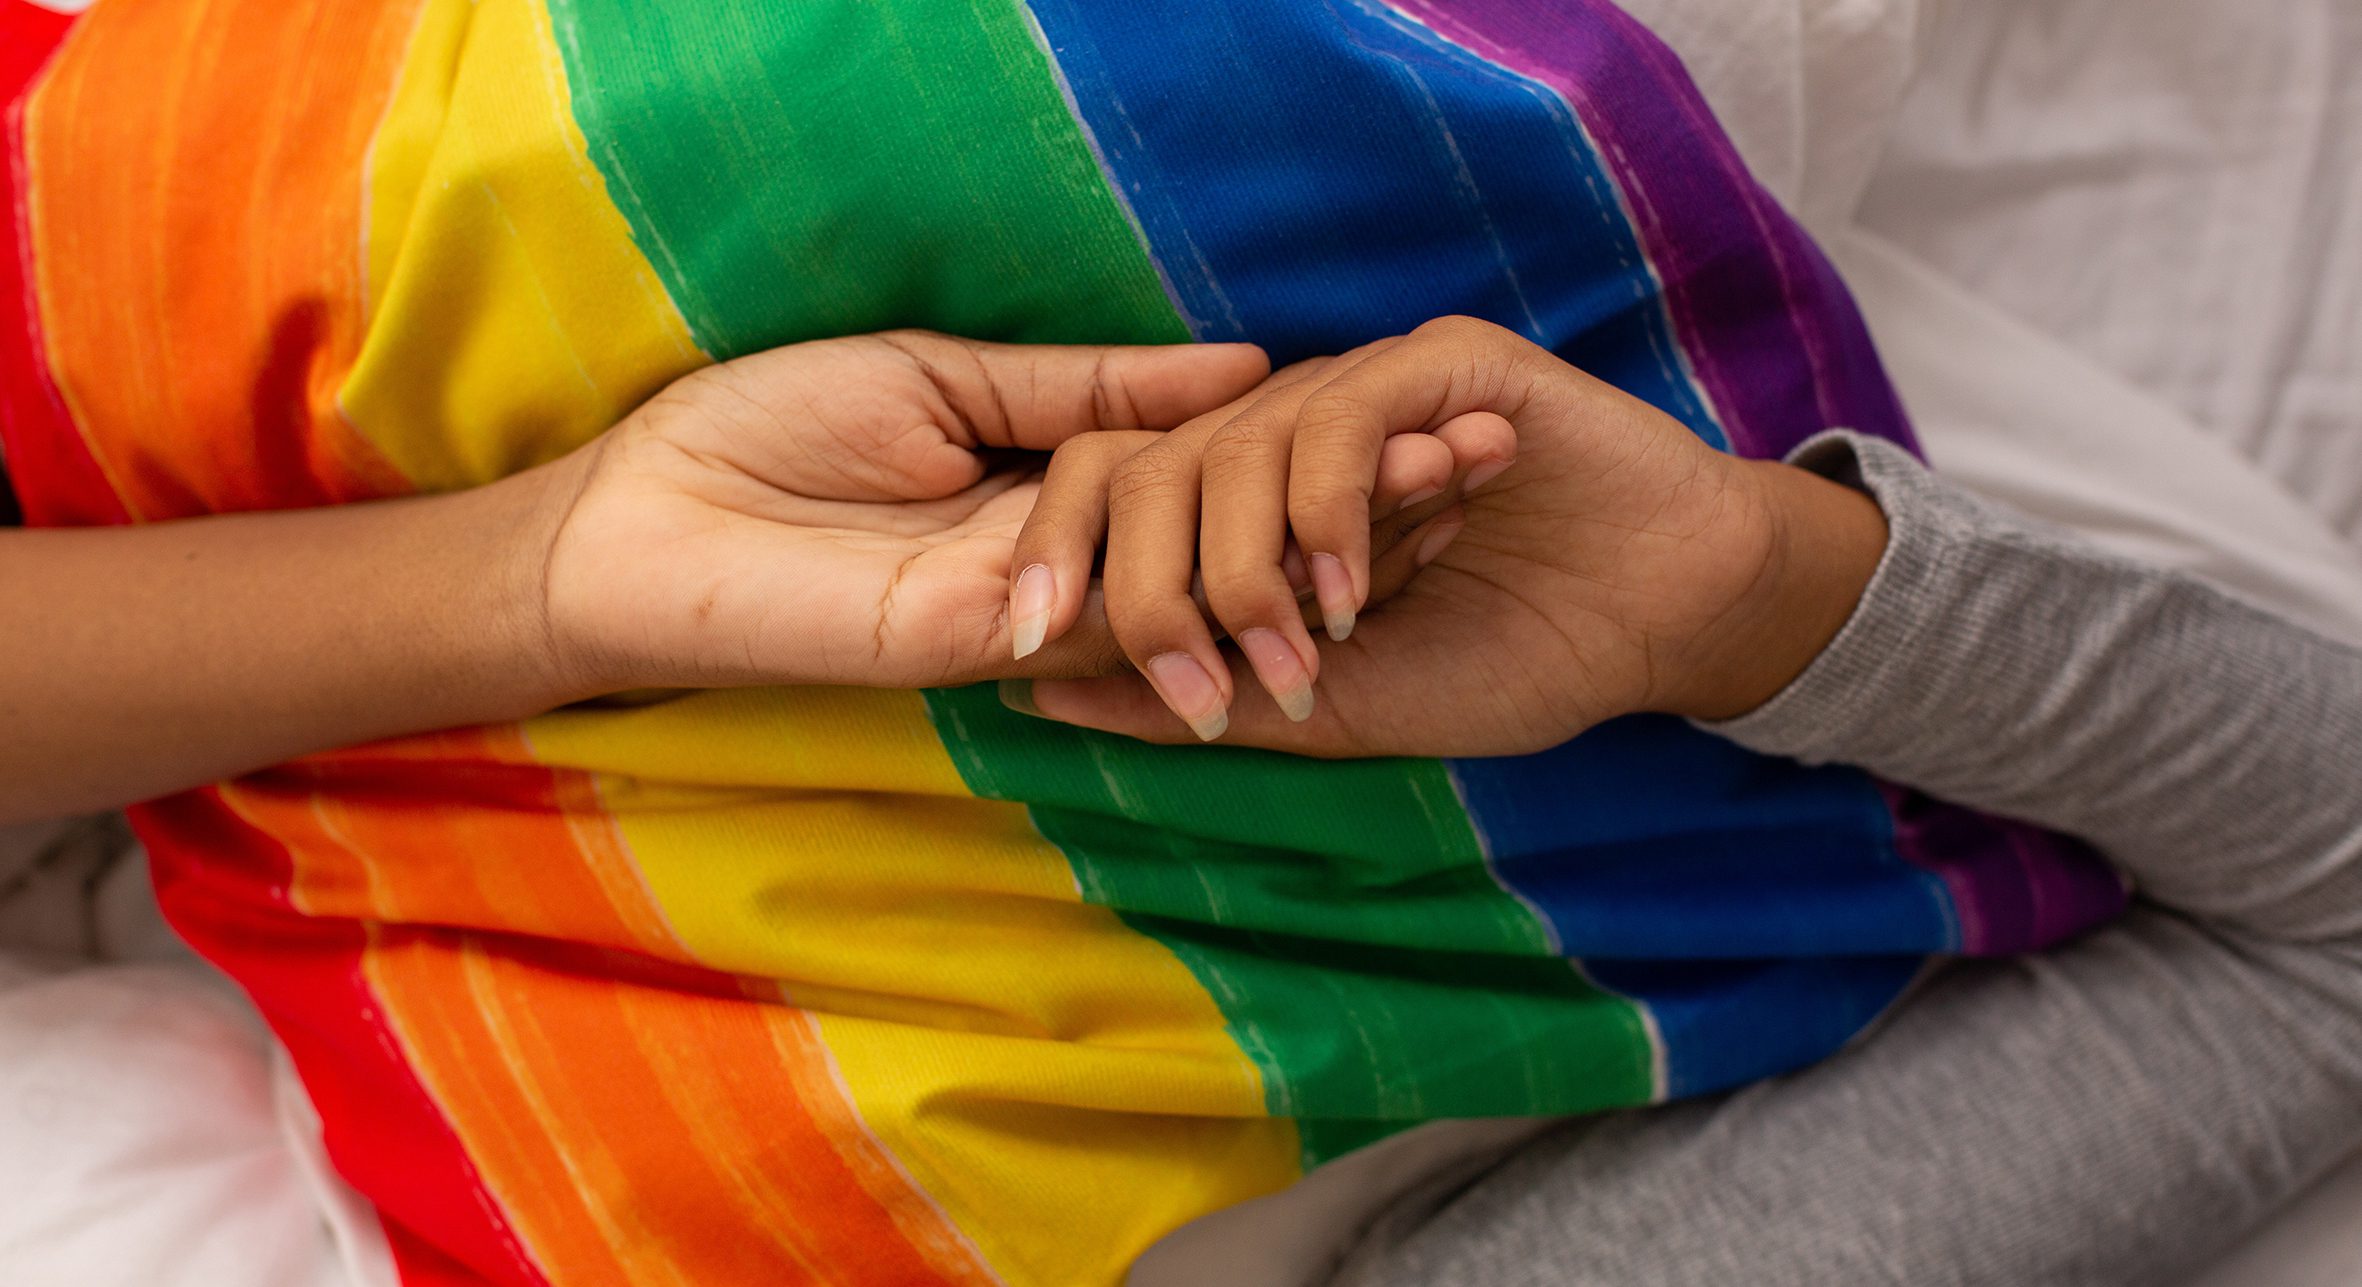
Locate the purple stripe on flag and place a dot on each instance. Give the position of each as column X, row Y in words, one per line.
column 1788, row 355
column 2016, row 888
column 1780, row 349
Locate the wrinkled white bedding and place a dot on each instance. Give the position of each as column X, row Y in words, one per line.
column 145, row 1130
column 2100, row 244
column 2172, row 187
column 141, row 1143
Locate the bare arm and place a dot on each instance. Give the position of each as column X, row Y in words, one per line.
column 815, row 514
column 144, row 659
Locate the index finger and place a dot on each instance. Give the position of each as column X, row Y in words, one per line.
column 1452, row 377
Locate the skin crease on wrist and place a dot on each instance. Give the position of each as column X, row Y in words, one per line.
column 1826, row 543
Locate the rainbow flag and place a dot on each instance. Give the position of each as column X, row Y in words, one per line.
column 848, row 986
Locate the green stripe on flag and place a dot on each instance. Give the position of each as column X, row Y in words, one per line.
column 818, row 169
column 812, row 169
column 1339, row 912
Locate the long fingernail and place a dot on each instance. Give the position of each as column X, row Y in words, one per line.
column 1017, row 695
column 1029, row 609
column 1484, row 473
column 1281, row 670
column 1191, row 692
column 1333, row 586
column 1435, row 542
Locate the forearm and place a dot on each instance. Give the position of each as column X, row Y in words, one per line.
column 2208, row 746
column 141, row 660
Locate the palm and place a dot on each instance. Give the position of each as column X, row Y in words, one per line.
column 769, row 583
column 901, row 595
column 822, row 513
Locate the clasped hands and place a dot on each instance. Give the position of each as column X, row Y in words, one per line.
column 1445, row 543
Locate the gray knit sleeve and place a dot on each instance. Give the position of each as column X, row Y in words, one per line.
column 2112, row 1112
column 2212, row 749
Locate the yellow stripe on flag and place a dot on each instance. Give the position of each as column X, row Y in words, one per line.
column 1059, row 1083
column 512, row 318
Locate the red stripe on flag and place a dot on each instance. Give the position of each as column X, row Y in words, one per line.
column 56, row 480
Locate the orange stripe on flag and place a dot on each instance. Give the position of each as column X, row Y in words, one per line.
column 224, row 886
column 635, row 1129
column 636, row 1117
column 821, row 1088
column 196, row 207
column 507, row 844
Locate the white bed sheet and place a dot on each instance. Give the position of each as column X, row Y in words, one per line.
column 2171, row 187
column 141, row 1140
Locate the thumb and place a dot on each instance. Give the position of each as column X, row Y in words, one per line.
column 1036, row 396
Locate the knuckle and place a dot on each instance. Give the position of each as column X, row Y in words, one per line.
column 922, row 350
column 1320, row 513
column 1243, row 451
column 1084, row 452
column 1241, row 603
column 1469, row 341
column 1334, row 468
column 1457, row 327
column 1147, row 477
column 1112, row 404
column 1336, row 414
column 1251, row 430
column 1145, row 630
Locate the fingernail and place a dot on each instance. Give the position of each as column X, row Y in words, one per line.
column 1333, row 586
column 1017, row 695
column 1029, row 609
column 1281, row 670
column 1435, row 541
column 1191, row 692
column 1422, row 495
column 1484, row 473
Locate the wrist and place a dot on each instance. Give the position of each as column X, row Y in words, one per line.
column 515, row 528
column 1823, row 543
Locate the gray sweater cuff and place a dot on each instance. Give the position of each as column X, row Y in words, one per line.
column 1929, row 525
column 2207, row 746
